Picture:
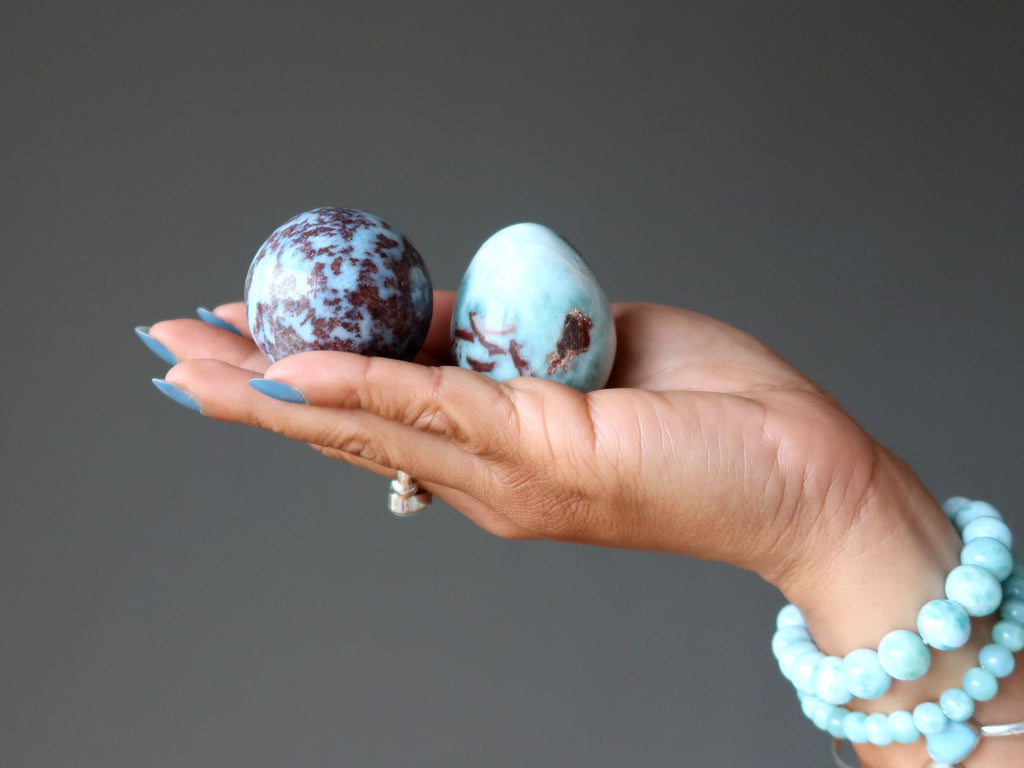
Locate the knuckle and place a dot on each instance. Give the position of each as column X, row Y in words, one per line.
column 355, row 444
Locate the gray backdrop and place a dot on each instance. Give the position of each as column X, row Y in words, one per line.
column 843, row 180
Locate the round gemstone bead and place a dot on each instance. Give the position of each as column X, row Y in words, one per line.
column 807, row 703
column 802, row 670
column 787, row 635
column 972, row 510
column 956, row 704
column 943, row 624
column 954, row 504
column 975, row 589
column 1009, row 634
column 903, row 655
column 1013, row 610
column 789, row 616
column 990, row 527
column 853, row 725
column 865, row 677
column 820, row 713
column 876, row 726
column 997, row 659
column 929, row 718
column 901, row 723
column 1014, row 587
column 829, row 682
column 788, row 656
column 990, row 554
column 980, row 684
column 834, row 725
column 952, row 744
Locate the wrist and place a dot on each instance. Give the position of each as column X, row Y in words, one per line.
column 877, row 581
column 873, row 566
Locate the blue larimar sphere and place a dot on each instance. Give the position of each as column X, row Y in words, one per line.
column 530, row 306
column 338, row 279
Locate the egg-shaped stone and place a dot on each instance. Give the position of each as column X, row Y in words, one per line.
column 338, row 279
column 530, row 306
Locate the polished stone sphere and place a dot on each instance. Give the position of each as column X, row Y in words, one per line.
column 338, row 279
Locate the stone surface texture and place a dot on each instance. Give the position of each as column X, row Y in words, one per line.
column 338, row 279
column 530, row 306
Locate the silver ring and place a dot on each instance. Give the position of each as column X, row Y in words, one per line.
column 405, row 497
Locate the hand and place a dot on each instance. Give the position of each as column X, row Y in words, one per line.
column 705, row 442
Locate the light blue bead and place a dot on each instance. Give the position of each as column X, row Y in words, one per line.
column 943, row 624
column 789, row 616
column 990, row 527
column 853, row 724
column 876, row 726
column 975, row 589
column 952, row 744
column 807, row 703
column 1009, row 634
column 829, row 682
column 802, row 670
column 901, row 723
column 1013, row 610
column 834, row 726
column 956, row 704
column 990, row 554
column 953, row 505
column 820, row 713
column 929, row 718
column 1014, row 587
column 864, row 675
column 903, row 655
column 787, row 635
column 788, row 656
column 973, row 510
column 980, row 684
column 997, row 659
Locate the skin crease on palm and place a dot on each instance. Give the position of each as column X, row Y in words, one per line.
column 704, row 443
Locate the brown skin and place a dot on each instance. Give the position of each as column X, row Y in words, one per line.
column 705, row 443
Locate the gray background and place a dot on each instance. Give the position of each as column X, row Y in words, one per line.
column 843, row 180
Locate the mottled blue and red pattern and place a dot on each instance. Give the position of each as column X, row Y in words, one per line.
column 341, row 279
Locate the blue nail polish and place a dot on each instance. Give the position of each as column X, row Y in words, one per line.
column 155, row 346
column 177, row 394
column 211, row 319
column 277, row 390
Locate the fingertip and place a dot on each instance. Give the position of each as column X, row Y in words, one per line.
column 177, row 394
column 278, row 390
column 210, row 318
column 156, row 347
column 235, row 314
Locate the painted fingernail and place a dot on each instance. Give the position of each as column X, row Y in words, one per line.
column 155, row 346
column 277, row 390
column 177, row 394
column 211, row 319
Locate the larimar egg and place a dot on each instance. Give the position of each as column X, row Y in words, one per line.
column 530, row 306
column 338, row 279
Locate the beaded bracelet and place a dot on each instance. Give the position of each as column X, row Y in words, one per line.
column 988, row 579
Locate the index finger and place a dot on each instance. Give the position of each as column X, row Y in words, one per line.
column 467, row 408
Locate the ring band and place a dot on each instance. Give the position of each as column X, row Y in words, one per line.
column 405, row 497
